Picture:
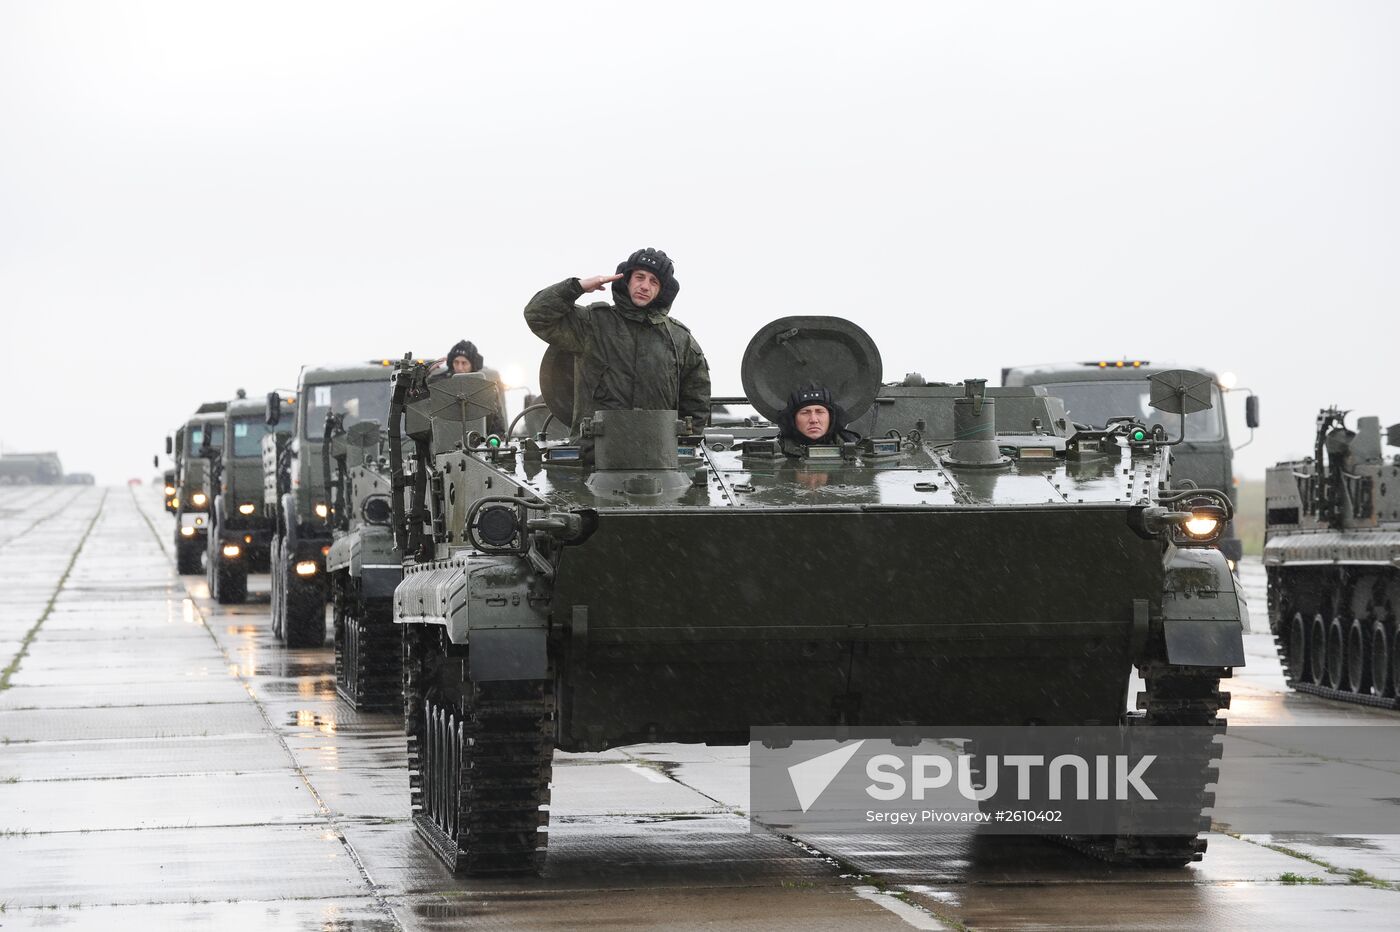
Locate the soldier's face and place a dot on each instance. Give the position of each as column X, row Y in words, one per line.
column 461, row 364
column 643, row 287
column 813, row 421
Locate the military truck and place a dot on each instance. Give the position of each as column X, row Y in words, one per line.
column 986, row 565
column 295, row 494
column 205, row 428
column 239, row 533
column 30, row 469
column 1096, row 390
column 364, row 566
column 1332, row 554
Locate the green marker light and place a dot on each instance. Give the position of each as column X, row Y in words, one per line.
column 1139, row 435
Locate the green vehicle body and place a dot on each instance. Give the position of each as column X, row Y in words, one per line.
column 677, row 592
column 1206, row 458
column 364, row 566
column 30, row 469
column 192, row 498
column 295, row 492
column 239, row 535
column 1332, row 554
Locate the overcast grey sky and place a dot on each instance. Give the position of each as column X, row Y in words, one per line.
column 196, row 197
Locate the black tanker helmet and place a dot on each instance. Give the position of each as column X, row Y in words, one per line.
column 804, row 397
column 657, row 263
column 468, row 349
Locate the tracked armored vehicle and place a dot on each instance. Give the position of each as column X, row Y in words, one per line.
column 192, row 500
column 239, row 533
column 1332, row 554
column 294, row 480
column 1099, row 389
column 986, row 567
column 364, row 565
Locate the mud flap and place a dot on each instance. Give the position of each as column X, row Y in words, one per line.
column 1197, row 642
column 509, row 654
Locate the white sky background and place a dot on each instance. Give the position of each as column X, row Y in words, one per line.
column 197, row 197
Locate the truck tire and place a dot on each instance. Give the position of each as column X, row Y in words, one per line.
column 187, row 557
column 304, row 622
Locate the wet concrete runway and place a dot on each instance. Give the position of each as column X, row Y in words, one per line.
column 165, row 763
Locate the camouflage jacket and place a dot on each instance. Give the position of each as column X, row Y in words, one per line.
column 628, row 357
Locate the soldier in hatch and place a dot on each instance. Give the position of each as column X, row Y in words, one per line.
column 632, row 353
column 812, row 418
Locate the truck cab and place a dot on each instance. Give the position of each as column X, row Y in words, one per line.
column 1096, row 390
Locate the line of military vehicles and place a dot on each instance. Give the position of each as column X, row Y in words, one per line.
column 590, row 579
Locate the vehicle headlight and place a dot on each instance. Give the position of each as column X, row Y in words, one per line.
column 199, row 498
column 306, row 568
column 1201, row 525
column 186, row 532
column 199, row 522
column 322, row 510
column 169, row 490
column 246, row 508
column 232, row 550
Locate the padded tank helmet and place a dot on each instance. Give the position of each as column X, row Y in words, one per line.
column 657, row 263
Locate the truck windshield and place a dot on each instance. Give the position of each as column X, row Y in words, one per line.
column 247, row 436
column 358, row 401
column 1093, row 403
column 196, row 435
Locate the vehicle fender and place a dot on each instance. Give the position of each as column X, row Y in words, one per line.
column 484, row 601
column 1203, row 610
column 289, row 520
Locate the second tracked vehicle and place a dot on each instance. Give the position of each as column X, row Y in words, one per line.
column 1332, row 554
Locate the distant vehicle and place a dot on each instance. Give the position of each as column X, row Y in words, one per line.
column 240, row 533
column 87, row 478
column 30, row 469
column 295, row 493
column 205, row 428
column 1331, row 524
column 1097, row 390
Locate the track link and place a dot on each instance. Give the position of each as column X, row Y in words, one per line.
column 1172, row 696
column 368, row 649
column 480, row 759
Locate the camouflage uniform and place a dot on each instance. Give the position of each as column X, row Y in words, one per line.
column 629, row 357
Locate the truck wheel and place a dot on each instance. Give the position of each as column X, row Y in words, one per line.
column 232, row 579
column 187, row 557
column 305, row 614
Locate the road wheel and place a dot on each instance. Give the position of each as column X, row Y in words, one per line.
column 1382, row 663
column 1298, row 649
column 1358, row 663
column 1317, row 650
column 1336, row 657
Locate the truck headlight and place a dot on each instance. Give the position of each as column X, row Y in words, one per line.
column 199, row 498
column 186, row 532
column 232, row 550
column 322, row 510
column 169, row 490
column 306, row 568
column 246, row 508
